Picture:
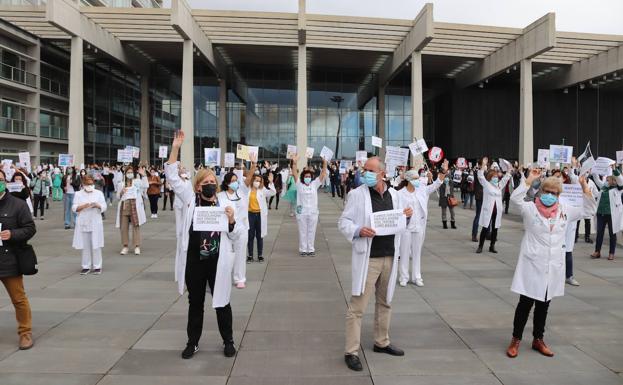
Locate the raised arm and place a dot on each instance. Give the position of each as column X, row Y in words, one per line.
column 251, row 170
column 171, row 171
column 323, row 173
column 295, row 167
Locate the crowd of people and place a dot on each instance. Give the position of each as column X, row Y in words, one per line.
column 217, row 259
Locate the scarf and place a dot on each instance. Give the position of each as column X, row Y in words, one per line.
column 546, row 212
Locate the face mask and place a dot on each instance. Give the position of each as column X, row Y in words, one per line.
column 234, row 185
column 89, row 188
column 153, row 173
column 256, row 184
column 369, row 178
column 446, row 181
column 257, row 172
column 129, row 175
column 184, row 175
column 415, row 183
column 83, row 173
column 548, row 199
column 494, row 181
column 307, row 180
column 208, row 190
column 2, row 187
column 422, row 175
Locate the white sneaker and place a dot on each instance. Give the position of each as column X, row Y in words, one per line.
column 124, row 251
column 137, row 251
column 419, row 282
column 572, row 281
column 156, row 216
column 403, row 283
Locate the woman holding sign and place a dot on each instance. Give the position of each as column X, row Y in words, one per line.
column 131, row 209
column 208, row 256
column 307, row 206
column 258, row 208
column 492, row 207
column 540, row 271
column 235, row 194
column 609, row 211
column 89, row 204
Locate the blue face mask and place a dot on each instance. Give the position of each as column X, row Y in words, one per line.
column 369, row 178
column 548, row 199
column 446, row 181
column 307, row 180
column 234, row 185
column 494, row 181
column 415, row 183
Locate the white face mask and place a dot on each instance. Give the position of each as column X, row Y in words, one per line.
column 184, row 175
column 129, row 175
column 89, row 188
column 256, row 184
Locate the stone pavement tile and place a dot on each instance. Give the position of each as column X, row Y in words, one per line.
column 61, row 360
column 435, row 337
column 68, row 305
column 42, row 321
column 484, row 379
column 297, row 322
column 499, row 338
column 170, row 363
column 293, row 341
column 176, row 340
column 570, row 378
column 491, row 318
column 295, row 380
column 567, row 359
column 287, row 363
column 48, row 379
column 53, row 292
column 590, row 334
column 426, row 362
column 177, row 321
column 609, row 355
column 125, row 306
column 300, row 308
column 162, row 380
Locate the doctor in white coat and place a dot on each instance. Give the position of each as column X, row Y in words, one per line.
column 89, row 204
column 540, row 271
column 374, row 260
column 207, row 257
column 415, row 195
column 492, row 206
column 258, row 208
column 570, row 178
column 178, row 210
column 609, row 213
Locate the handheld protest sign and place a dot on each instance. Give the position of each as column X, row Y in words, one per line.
column 461, row 163
column 435, row 154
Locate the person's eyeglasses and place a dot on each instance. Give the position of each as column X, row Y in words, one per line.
column 551, row 192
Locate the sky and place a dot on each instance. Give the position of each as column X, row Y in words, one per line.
column 595, row 16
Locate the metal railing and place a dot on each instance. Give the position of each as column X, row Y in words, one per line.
column 18, row 75
column 54, row 87
column 53, row 132
column 20, row 127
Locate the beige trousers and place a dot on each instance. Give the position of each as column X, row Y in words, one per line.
column 126, row 223
column 379, row 270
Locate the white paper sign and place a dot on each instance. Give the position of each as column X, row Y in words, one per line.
column 602, row 165
column 620, row 157
column 135, row 151
column 388, row 222
column 15, row 186
column 291, row 152
column 461, row 163
column 254, row 152
column 326, row 153
column 572, row 195
column 163, row 152
column 361, row 156
column 505, row 165
column 230, row 159
column 543, row 157
column 309, row 153
column 345, row 165
column 396, row 156
column 560, row 154
column 377, row 142
column 587, row 165
column 418, row 147
column 124, row 156
column 457, row 176
column 240, row 176
column 24, row 159
column 210, row 218
column 212, row 156
column 65, row 160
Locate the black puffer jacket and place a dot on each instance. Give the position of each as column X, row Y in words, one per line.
column 14, row 216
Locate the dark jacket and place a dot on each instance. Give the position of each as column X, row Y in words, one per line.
column 75, row 182
column 443, row 198
column 14, row 216
column 477, row 187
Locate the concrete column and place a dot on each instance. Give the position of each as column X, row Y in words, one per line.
column 526, row 137
column 380, row 101
column 145, row 113
column 75, row 134
column 222, row 118
column 188, row 106
column 33, row 99
column 301, row 108
column 417, row 113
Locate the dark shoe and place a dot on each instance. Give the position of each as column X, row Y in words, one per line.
column 588, row 240
column 66, row 227
column 445, row 224
column 492, row 249
column 302, row 254
column 540, row 347
column 84, row 271
column 189, row 351
column 610, row 257
column 595, row 255
column 260, row 259
column 479, row 250
column 453, row 225
column 270, row 208
column 513, row 348
column 353, row 362
column 389, row 349
column 229, row 350
column 474, row 239
column 249, row 259
column 312, row 254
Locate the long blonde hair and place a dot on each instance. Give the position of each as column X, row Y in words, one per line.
column 201, row 175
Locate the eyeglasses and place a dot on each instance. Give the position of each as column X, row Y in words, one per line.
column 551, row 192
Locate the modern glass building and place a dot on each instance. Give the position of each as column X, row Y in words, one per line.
column 89, row 77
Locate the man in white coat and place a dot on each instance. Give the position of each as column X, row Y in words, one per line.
column 374, row 260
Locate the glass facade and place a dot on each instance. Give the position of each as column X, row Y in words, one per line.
column 398, row 111
column 206, row 89
column 165, row 109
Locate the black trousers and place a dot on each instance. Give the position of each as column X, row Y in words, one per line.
column 255, row 231
column 587, row 229
column 200, row 274
column 39, row 203
column 270, row 201
column 153, row 203
column 485, row 230
column 171, row 196
column 522, row 312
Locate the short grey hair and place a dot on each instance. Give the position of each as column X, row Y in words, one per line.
column 381, row 163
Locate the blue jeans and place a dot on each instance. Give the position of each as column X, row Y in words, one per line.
column 469, row 197
column 602, row 221
column 68, row 201
column 108, row 193
column 476, row 218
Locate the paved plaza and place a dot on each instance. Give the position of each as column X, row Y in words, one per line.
column 128, row 326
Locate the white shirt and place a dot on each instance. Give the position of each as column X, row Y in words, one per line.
column 307, row 197
column 69, row 189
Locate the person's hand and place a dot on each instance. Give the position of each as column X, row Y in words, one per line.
column 408, row 212
column 253, row 158
column 584, row 184
column 270, row 177
column 534, row 175
column 5, row 235
column 178, row 139
column 229, row 211
column 367, row 232
column 96, row 205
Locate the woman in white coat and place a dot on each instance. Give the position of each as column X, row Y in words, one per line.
column 570, row 178
column 609, row 211
column 415, row 194
column 492, row 206
column 235, row 194
column 207, row 257
column 307, row 206
column 131, row 208
column 89, row 204
column 258, row 209
column 540, row 271
column 178, row 211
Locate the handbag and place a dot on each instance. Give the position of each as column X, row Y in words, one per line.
column 27, row 260
column 452, row 201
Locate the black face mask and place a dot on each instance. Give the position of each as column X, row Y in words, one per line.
column 208, row 190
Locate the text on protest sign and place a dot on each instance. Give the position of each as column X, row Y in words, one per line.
column 309, row 153
column 213, row 156
column 418, row 147
column 123, row 156
column 230, row 159
column 435, row 154
column 388, row 222
column 210, row 218
column 291, row 152
column 377, row 142
column 163, row 152
column 65, row 160
column 560, row 154
column 361, row 156
column 543, row 157
column 602, row 166
column 620, row 157
column 326, row 153
column 572, row 195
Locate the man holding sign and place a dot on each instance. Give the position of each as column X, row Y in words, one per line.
column 374, row 259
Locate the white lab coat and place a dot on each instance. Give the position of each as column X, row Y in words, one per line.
column 491, row 196
column 222, row 285
column 241, row 207
column 541, row 264
column 178, row 210
column 261, row 195
column 140, row 186
column 616, row 206
column 418, row 201
column 89, row 220
column 356, row 215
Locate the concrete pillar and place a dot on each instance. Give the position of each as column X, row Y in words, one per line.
column 188, row 106
column 301, row 90
column 222, row 119
column 526, row 137
column 75, row 134
column 145, row 113
column 33, row 99
column 380, row 101
column 417, row 113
